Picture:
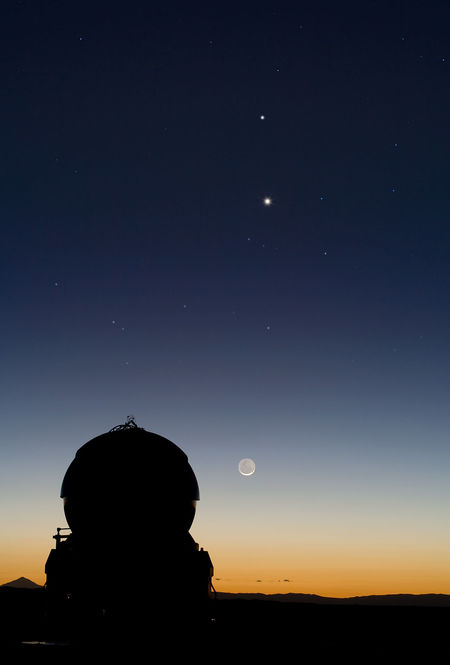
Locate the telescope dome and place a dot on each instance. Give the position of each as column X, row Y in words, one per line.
column 129, row 478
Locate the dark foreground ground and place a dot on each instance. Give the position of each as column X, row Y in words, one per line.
column 242, row 631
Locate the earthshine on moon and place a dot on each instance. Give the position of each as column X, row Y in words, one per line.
column 247, row 467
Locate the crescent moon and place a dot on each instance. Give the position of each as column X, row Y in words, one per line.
column 246, row 466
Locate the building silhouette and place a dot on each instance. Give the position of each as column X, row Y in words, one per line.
column 127, row 562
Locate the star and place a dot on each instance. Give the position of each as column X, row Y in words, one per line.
column 262, row 117
column 267, row 201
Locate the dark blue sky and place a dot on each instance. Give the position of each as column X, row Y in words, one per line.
column 142, row 272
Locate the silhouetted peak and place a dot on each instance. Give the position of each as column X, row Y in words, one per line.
column 22, row 583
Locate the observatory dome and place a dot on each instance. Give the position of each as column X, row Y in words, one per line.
column 129, row 478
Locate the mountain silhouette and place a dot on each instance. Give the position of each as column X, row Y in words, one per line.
column 22, row 583
column 399, row 599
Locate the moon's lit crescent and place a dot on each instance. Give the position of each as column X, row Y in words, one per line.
column 247, row 467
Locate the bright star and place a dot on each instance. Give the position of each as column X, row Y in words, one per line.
column 267, row 201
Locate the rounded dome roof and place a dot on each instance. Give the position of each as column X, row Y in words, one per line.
column 129, row 471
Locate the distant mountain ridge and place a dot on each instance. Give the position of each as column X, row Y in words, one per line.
column 399, row 599
column 22, row 583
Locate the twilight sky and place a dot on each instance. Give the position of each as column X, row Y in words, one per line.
column 143, row 273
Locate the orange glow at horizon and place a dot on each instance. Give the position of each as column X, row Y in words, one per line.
column 326, row 567
column 337, row 572
column 336, row 576
column 338, row 585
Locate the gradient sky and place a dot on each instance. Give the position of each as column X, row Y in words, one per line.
column 142, row 274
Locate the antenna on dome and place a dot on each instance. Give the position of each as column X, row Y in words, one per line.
column 129, row 424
